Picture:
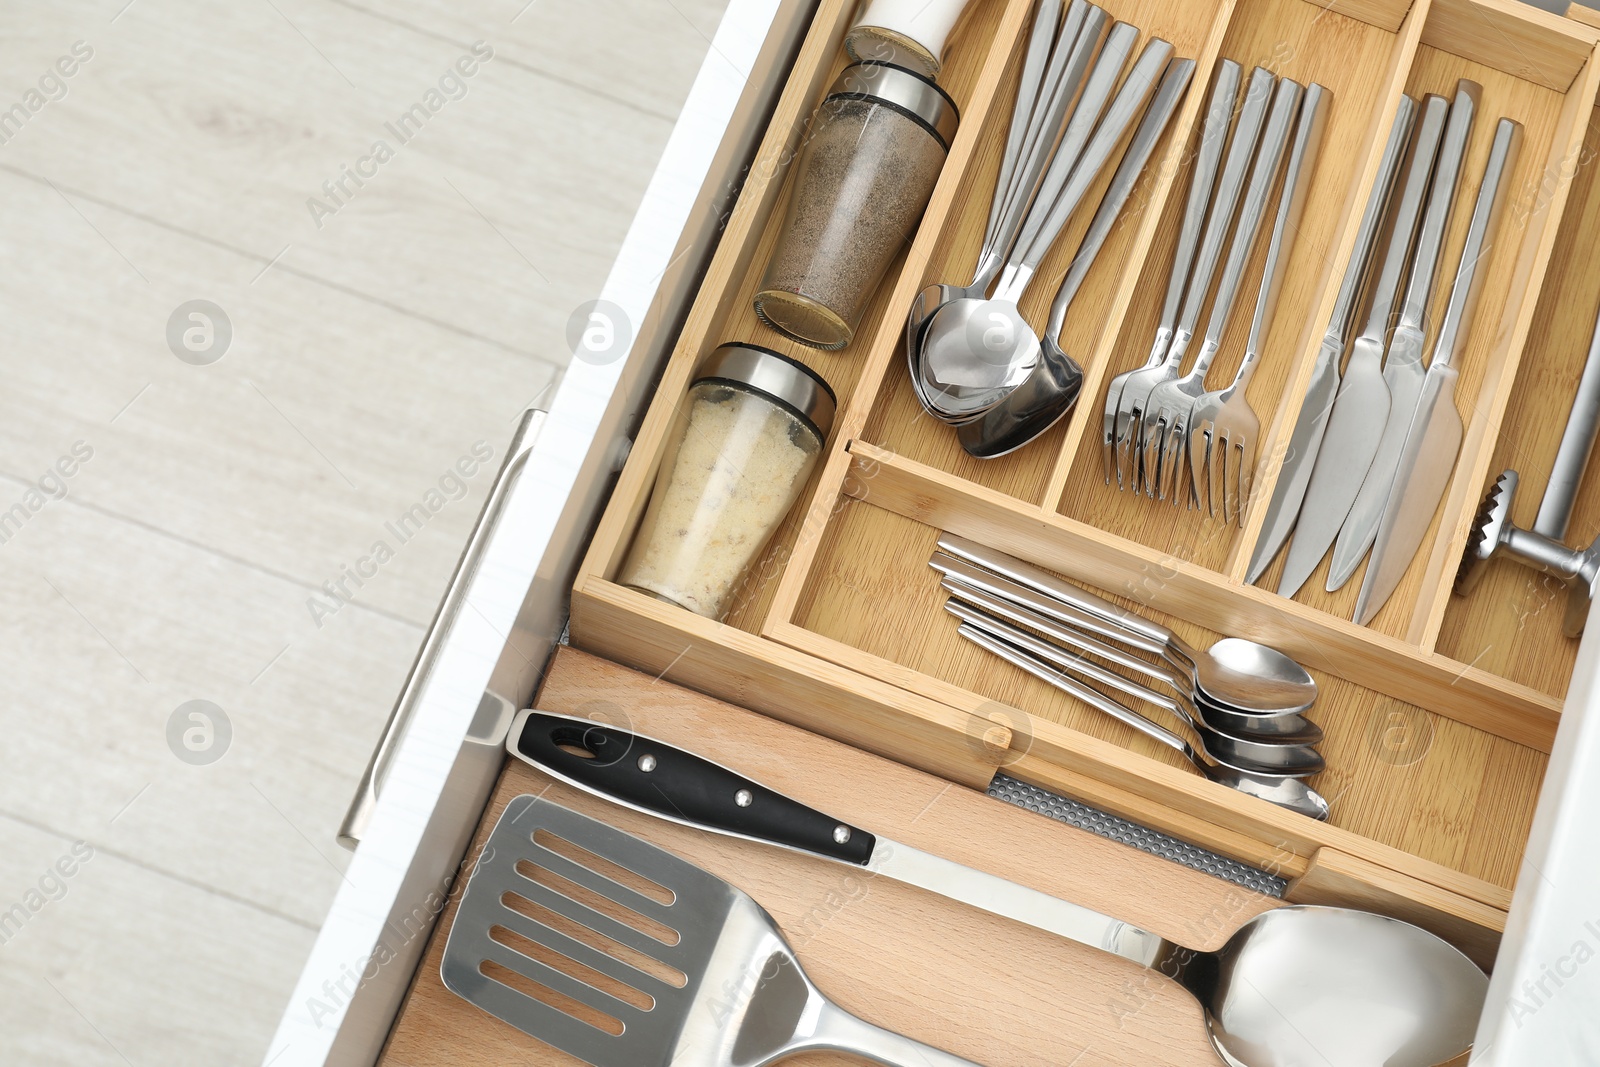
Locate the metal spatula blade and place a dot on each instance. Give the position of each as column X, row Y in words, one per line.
column 624, row 955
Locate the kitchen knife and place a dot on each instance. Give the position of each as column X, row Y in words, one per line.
column 1359, row 412
column 657, row 779
column 1403, row 371
column 1434, row 439
column 1306, row 438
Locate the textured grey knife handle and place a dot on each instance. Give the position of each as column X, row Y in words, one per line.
column 1577, row 442
column 1344, row 306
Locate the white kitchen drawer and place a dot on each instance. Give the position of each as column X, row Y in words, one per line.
column 507, row 608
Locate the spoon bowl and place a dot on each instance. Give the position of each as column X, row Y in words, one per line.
column 1248, row 676
column 1405, row 997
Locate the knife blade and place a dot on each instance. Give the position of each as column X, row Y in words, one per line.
column 1305, row 440
column 664, row 781
column 1434, row 439
column 1362, row 405
column 1403, row 371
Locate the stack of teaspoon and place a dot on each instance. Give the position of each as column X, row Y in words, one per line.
column 968, row 352
column 1237, row 709
column 1162, row 432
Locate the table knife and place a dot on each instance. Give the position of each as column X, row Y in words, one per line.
column 1362, row 406
column 1306, row 438
column 659, row 779
column 1434, row 439
column 1403, row 370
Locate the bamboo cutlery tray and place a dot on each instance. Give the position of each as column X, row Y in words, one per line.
column 1439, row 715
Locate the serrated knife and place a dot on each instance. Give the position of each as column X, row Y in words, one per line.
column 1306, row 439
column 1434, row 439
column 1403, row 370
column 1359, row 412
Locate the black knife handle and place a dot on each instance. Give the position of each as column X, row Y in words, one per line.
column 673, row 784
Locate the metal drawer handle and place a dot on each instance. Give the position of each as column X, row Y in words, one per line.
column 366, row 798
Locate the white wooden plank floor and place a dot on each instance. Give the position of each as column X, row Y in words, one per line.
column 208, row 504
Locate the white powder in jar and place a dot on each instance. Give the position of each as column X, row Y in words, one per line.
column 739, row 465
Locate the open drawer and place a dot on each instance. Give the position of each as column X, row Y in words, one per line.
column 1444, row 717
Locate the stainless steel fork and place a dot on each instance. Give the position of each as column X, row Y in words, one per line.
column 1223, row 427
column 1171, row 402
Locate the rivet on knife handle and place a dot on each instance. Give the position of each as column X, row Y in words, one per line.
column 670, row 783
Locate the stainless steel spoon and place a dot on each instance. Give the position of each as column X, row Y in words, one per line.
column 1052, row 387
column 1262, row 758
column 1286, row 792
column 997, row 596
column 1234, row 672
column 978, row 345
column 1033, row 124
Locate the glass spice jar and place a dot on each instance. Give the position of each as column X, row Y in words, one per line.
column 872, row 155
column 745, row 440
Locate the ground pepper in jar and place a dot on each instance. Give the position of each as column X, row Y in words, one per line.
column 746, row 438
column 872, row 157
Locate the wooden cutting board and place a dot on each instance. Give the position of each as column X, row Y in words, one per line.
column 995, row 991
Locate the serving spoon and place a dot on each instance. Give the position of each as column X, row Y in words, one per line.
column 1333, row 987
column 1235, row 672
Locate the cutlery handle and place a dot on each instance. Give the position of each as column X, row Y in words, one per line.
column 667, row 782
column 1253, row 210
column 1344, row 306
column 1136, row 91
column 1230, row 184
column 1091, row 104
column 839, row 1031
column 1018, row 658
column 1291, row 205
column 1208, row 157
column 1441, row 199
column 1413, row 195
column 1577, row 441
column 1043, row 581
column 1492, row 196
column 1029, row 85
column 1151, row 127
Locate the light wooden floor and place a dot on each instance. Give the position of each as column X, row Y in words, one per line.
column 368, row 356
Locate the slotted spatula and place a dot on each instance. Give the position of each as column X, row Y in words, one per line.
column 624, row 955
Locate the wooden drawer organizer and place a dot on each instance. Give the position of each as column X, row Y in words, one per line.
column 1439, row 716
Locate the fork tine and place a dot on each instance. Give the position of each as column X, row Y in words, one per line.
column 1108, row 430
column 1172, row 466
column 1246, row 475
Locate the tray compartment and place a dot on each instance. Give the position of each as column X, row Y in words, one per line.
column 1360, row 64
column 898, row 421
column 1397, row 774
column 1511, row 624
column 1515, row 261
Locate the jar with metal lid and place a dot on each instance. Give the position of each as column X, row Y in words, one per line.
column 744, row 442
column 872, row 155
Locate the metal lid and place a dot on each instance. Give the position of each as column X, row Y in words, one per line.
column 785, row 380
column 903, row 89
